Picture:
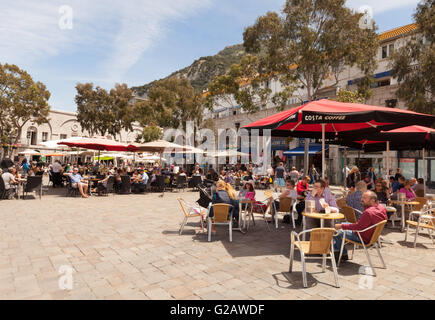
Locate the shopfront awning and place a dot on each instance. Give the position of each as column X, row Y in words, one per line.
column 300, row 151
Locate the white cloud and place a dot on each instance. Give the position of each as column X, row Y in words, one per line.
column 379, row 6
column 117, row 32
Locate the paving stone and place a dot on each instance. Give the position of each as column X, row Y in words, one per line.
column 136, row 253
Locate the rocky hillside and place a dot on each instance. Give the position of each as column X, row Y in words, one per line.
column 205, row 69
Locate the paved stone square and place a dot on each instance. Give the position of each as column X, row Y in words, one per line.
column 128, row 247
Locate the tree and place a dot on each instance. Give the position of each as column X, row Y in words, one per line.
column 312, row 41
column 350, row 96
column 414, row 64
column 150, row 133
column 90, row 104
column 21, row 100
column 120, row 111
column 245, row 86
column 170, row 104
column 102, row 112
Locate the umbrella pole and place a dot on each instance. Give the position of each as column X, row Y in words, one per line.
column 388, row 163
column 424, row 171
column 323, row 151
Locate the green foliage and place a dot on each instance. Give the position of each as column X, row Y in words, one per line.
column 414, row 64
column 313, row 40
column 350, row 96
column 21, row 100
column 170, row 103
column 149, row 134
column 99, row 111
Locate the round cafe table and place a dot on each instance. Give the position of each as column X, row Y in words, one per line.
column 402, row 204
column 249, row 207
column 322, row 217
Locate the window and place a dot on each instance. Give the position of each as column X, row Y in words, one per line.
column 384, row 52
column 387, row 50
column 381, row 83
column 32, row 137
column 63, row 136
column 44, row 136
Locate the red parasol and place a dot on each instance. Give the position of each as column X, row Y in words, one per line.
column 96, row 144
column 332, row 119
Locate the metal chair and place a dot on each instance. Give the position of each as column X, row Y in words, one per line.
column 425, row 220
column 32, row 184
column 195, row 182
column 190, row 212
column 320, row 243
column 180, row 182
column 374, row 242
column 222, row 215
column 110, row 186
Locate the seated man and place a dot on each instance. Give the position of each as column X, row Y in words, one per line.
column 141, row 182
column 77, row 182
column 10, row 181
column 354, row 200
column 317, row 194
column 373, row 214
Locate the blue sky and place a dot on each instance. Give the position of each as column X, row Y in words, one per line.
column 134, row 41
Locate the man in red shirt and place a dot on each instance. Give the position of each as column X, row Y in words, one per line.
column 373, row 214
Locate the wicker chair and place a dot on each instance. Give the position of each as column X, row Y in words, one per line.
column 187, row 209
column 373, row 243
column 341, row 203
column 221, row 216
column 349, row 214
column 286, row 206
column 320, row 243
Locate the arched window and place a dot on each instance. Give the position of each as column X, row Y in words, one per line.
column 32, row 136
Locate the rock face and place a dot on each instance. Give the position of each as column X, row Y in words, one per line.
column 205, row 69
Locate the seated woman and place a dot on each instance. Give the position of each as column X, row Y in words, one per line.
column 407, row 190
column 226, row 194
column 381, row 191
column 247, row 193
column 302, row 186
